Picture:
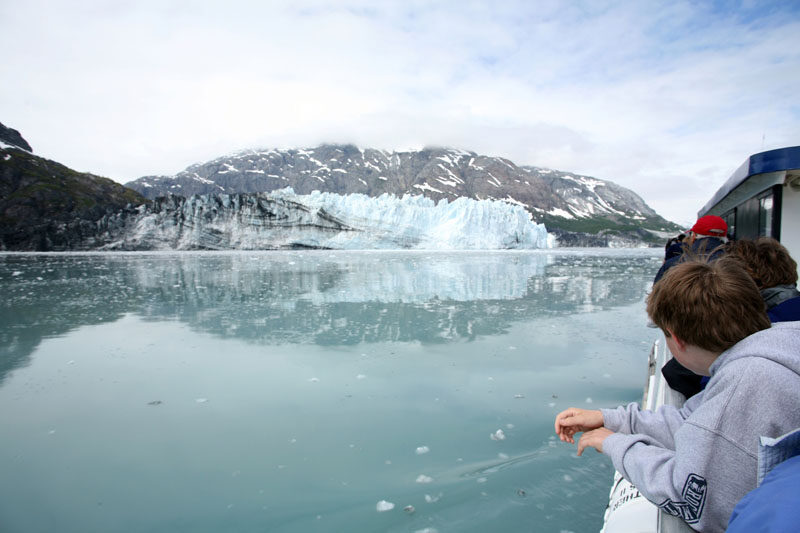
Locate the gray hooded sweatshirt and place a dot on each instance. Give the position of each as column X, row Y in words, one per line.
column 697, row 462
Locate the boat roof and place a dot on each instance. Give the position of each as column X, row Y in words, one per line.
column 761, row 163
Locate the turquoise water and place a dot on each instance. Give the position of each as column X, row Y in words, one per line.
column 297, row 391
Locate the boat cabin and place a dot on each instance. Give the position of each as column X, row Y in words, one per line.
column 762, row 198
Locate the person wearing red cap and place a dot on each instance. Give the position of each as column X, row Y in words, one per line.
column 705, row 241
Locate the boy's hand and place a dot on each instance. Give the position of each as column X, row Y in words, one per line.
column 594, row 439
column 574, row 420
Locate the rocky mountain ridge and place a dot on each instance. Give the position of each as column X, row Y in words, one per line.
column 579, row 210
column 45, row 205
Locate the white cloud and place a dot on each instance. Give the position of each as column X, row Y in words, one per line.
column 666, row 99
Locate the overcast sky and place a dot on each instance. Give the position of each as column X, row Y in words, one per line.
column 665, row 98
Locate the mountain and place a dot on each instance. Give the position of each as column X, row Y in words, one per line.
column 47, row 206
column 578, row 210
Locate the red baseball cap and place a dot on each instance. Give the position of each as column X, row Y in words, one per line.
column 710, row 226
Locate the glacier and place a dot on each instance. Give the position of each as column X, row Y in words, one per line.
column 282, row 219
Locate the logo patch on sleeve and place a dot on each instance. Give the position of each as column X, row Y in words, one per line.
column 694, row 496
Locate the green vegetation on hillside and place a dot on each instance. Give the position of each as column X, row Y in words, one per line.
column 40, row 198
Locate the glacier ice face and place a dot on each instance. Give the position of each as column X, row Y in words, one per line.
column 282, row 219
column 420, row 223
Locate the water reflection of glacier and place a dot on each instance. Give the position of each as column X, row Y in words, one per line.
column 325, row 278
column 326, row 298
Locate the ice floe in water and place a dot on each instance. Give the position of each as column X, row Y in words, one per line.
column 383, row 505
column 422, row 450
column 433, row 499
column 498, row 435
column 201, row 400
column 361, row 376
column 313, row 380
column 422, row 478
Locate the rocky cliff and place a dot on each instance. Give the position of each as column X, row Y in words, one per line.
column 47, row 206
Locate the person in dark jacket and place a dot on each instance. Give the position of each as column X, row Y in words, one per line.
column 706, row 240
column 674, row 247
column 775, row 272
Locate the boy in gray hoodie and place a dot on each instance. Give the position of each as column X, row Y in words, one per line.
column 698, row 461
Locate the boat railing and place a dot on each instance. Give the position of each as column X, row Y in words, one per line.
column 628, row 511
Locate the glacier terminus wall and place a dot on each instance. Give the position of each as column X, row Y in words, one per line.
column 284, row 220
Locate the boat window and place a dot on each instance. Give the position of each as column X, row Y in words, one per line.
column 765, row 215
column 730, row 220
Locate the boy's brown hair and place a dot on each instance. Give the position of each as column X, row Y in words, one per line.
column 767, row 261
column 709, row 305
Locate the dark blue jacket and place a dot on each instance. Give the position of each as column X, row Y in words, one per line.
column 788, row 311
column 706, row 247
column 783, row 303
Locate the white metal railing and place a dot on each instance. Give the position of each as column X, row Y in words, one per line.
column 628, row 511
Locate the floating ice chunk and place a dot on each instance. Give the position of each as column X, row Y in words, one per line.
column 422, row 450
column 383, row 506
column 519, row 396
column 498, row 435
column 361, row 376
column 422, row 478
column 16, row 273
column 510, row 426
column 588, row 400
column 409, row 509
column 567, row 477
column 71, row 362
column 433, row 499
column 201, row 400
column 313, row 380
column 551, row 404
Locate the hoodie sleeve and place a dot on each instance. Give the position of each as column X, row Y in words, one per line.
column 660, row 425
column 681, row 479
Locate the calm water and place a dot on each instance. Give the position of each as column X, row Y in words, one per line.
column 294, row 391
